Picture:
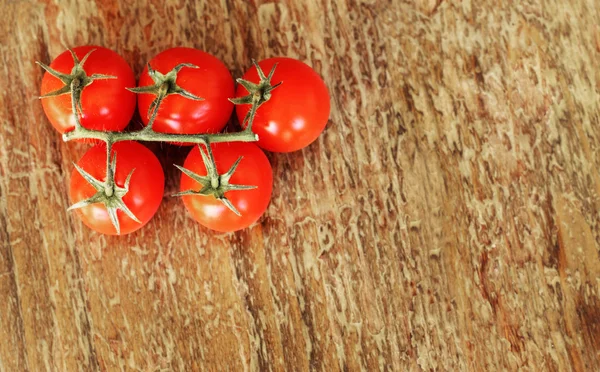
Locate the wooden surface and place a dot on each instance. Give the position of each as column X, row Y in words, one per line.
column 446, row 220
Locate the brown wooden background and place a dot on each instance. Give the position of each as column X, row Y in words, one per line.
column 448, row 218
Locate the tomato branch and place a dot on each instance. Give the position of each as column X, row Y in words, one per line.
column 152, row 136
column 164, row 85
column 213, row 184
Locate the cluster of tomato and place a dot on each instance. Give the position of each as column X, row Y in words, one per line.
column 292, row 118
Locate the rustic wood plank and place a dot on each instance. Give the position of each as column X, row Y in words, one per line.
column 447, row 219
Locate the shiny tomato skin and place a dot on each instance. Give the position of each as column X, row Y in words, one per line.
column 297, row 111
column 212, row 81
column 107, row 105
column 146, row 187
column 254, row 169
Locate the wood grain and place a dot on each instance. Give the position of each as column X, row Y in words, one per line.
column 447, row 219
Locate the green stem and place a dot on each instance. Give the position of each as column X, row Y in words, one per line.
column 212, row 168
column 151, row 136
column 255, row 103
column 162, row 93
column 75, row 83
column 109, row 183
column 148, row 135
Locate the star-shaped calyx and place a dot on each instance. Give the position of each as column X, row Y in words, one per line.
column 107, row 193
column 74, row 82
column 257, row 93
column 213, row 183
column 164, row 85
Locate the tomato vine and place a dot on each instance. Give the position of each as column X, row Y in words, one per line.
column 213, row 184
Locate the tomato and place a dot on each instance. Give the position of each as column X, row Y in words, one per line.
column 297, row 111
column 145, row 188
column 106, row 104
column 210, row 81
column 253, row 170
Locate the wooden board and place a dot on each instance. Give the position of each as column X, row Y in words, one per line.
column 447, row 219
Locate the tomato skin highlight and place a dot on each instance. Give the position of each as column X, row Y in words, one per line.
column 146, row 188
column 212, row 81
column 254, row 169
column 297, row 111
column 107, row 105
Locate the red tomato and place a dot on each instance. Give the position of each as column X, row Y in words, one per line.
column 297, row 111
column 145, row 188
column 211, row 81
column 253, row 170
column 106, row 104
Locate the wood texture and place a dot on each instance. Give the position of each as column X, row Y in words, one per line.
column 446, row 220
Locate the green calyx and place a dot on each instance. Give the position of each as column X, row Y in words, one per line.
column 213, row 183
column 164, row 85
column 107, row 193
column 257, row 93
column 75, row 81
